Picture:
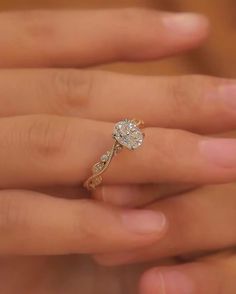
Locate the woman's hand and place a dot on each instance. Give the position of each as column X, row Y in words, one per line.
column 50, row 133
column 56, row 122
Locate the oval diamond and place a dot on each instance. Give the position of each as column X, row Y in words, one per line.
column 128, row 134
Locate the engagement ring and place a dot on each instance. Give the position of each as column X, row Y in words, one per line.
column 126, row 134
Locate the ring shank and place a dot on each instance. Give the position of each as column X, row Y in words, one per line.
column 100, row 167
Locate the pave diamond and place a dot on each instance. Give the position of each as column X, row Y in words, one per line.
column 105, row 157
column 98, row 167
column 128, row 134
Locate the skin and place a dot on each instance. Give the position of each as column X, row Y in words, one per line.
column 56, row 122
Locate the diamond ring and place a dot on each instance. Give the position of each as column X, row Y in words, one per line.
column 126, row 134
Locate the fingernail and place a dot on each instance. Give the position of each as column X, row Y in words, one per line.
column 228, row 95
column 185, row 23
column 221, row 152
column 170, row 282
column 144, row 221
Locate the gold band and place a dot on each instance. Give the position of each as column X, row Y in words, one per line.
column 126, row 134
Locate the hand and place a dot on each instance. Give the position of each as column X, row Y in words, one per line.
column 201, row 223
column 54, row 125
column 56, row 122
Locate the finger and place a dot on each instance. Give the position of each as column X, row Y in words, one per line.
column 79, row 38
column 68, row 192
column 33, row 223
column 200, row 221
column 138, row 195
column 50, row 150
column 190, row 102
column 205, row 277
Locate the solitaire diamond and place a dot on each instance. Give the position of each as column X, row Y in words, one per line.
column 128, row 134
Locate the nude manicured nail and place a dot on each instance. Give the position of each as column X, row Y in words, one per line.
column 144, row 221
column 221, row 152
column 228, row 95
column 170, row 282
column 184, row 23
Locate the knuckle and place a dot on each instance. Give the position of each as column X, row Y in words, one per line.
column 165, row 150
column 185, row 93
column 38, row 26
column 73, row 89
column 48, row 136
column 177, row 89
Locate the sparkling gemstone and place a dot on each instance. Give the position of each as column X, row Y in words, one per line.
column 128, row 134
column 98, row 167
column 105, row 157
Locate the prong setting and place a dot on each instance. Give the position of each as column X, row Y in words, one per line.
column 128, row 134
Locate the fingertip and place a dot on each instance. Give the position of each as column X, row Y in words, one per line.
column 190, row 28
column 168, row 281
column 186, row 23
column 152, row 282
column 163, row 34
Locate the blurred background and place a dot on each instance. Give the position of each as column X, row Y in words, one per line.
column 216, row 57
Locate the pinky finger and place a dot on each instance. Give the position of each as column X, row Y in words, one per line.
column 36, row 224
column 212, row 276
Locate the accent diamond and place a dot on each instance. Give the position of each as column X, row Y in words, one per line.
column 98, row 167
column 105, row 157
column 128, row 134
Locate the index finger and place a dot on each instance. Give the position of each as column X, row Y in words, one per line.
column 81, row 38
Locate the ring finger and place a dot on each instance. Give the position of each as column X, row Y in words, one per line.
column 48, row 150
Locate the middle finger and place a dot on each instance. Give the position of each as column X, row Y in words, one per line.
column 197, row 103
